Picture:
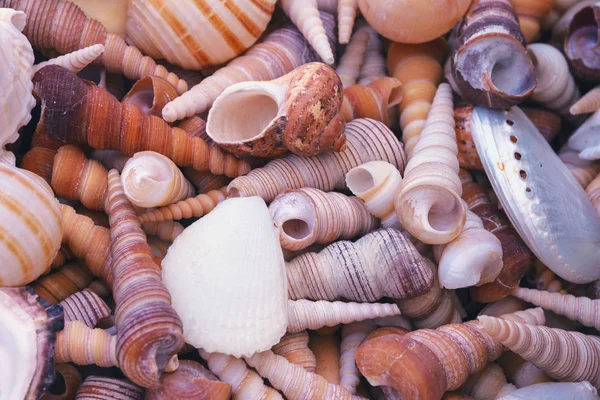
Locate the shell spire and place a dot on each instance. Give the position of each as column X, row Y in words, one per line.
column 373, row 66
column 149, row 330
column 75, row 61
column 78, row 112
column 83, row 345
column 58, row 25
column 192, row 207
column 306, row 314
column 151, row 94
column 588, row 103
column 165, row 230
column 306, row 216
column 349, row 66
column 294, row 347
column 63, row 282
column 346, row 10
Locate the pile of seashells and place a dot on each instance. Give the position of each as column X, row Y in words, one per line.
column 303, row 199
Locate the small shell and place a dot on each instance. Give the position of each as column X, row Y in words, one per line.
column 208, row 254
column 101, row 388
column 72, row 379
column 371, row 101
column 307, row 216
column 192, row 207
column 581, row 41
column 489, row 383
column 349, row 65
column 151, row 94
column 294, row 347
column 346, row 10
column 85, row 306
column 554, row 391
column 298, row 112
column 593, row 191
column 205, row 181
column 352, row 336
column 83, row 345
column 75, row 61
column 586, row 139
column 429, row 204
column 166, row 230
column 373, row 66
column 63, row 282
column 31, row 227
column 589, row 103
column 40, row 161
column 152, row 180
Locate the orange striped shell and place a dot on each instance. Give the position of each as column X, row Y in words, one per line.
column 30, row 227
column 195, row 34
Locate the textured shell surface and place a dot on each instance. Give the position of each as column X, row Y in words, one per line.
column 196, row 34
column 16, row 64
column 543, row 200
column 231, row 298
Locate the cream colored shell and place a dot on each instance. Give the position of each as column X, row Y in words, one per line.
column 196, row 34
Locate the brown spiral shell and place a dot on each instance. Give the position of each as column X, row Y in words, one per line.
column 63, row 282
column 102, row 388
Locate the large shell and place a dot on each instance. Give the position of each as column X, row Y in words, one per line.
column 195, row 35
column 30, row 228
column 16, row 63
column 232, row 298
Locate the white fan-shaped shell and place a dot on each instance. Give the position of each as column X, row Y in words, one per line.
column 16, row 68
column 226, row 276
column 196, row 34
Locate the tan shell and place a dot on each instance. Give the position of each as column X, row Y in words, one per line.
column 593, row 191
column 72, row 379
column 530, row 13
column 326, row 348
column 165, row 230
column 294, row 347
column 429, row 204
column 349, row 65
column 346, row 10
column 371, row 101
column 83, row 345
column 220, row 30
column 306, row 216
column 205, row 181
column 151, row 94
column 588, row 103
column 112, row 14
column 63, row 282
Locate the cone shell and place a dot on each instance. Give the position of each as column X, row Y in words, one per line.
column 151, row 94
column 589, row 103
column 298, row 112
column 16, row 55
column 215, row 319
column 373, row 66
column 75, row 61
column 221, row 30
column 346, row 10
column 85, row 306
column 83, row 345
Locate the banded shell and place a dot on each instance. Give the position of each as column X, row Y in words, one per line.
column 196, row 34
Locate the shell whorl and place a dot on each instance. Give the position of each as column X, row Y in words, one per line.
column 346, row 10
column 85, row 306
column 349, row 65
column 75, row 61
column 373, row 66
column 588, row 103
column 83, row 345
column 294, row 347
column 192, row 207
column 63, row 282
column 103, row 388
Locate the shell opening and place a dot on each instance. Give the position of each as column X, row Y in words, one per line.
column 296, row 229
column 441, row 218
column 59, row 386
column 241, row 116
column 233, row 192
column 359, row 180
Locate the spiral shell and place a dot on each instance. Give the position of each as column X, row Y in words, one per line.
column 348, row 68
column 83, row 345
column 72, row 379
column 165, row 230
column 75, row 61
column 63, row 282
column 192, row 207
column 294, row 347
column 205, row 181
column 85, row 306
column 554, row 391
column 102, row 388
column 346, row 10
column 589, row 103
column 151, row 94
column 371, row 101
column 373, row 66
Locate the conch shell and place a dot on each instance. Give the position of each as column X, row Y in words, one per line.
column 195, row 35
column 202, row 272
column 16, row 55
column 298, row 112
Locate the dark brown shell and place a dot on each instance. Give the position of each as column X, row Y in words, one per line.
column 581, row 44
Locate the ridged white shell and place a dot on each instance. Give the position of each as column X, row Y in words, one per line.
column 16, row 67
column 226, row 276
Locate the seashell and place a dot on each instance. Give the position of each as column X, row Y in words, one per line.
column 366, row 140
column 30, row 215
column 516, row 255
column 556, row 88
column 17, row 65
column 381, row 264
column 75, row 61
column 195, row 126
column 425, row 363
column 326, row 348
column 593, row 191
column 346, row 10
column 305, row 15
column 40, row 161
column 307, row 216
column 544, row 279
column 100, row 288
column 88, row 242
column 431, row 176
column 526, row 195
column 29, row 326
column 548, row 123
column 152, row 180
column 192, row 207
column 293, row 381
column 93, row 110
column 530, row 15
column 554, row 391
column 83, row 345
column 205, row 181
column 419, row 69
column 584, row 171
column 63, row 255
column 456, row 396
column 472, row 259
column 586, row 140
column 258, row 309
column 64, row 34
column 588, row 103
column 63, row 282
column 580, row 309
column 190, row 381
column 377, row 183
column 306, row 314
column 489, row 383
column 374, row 64
column 111, row 159
column 149, row 329
column 433, row 308
column 581, row 41
column 329, row 6
column 77, row 178
column 166, row 230
column 245, row 383
column 85, row 306
column 112, row 14
column 371, row 101
column 568, row 356
column 521, row 372
column 294, row 347
column 72, row 380
column 151, row 94
column 349, row 65
column 286, row 50
column 298, row 112
column 405, row 21
column 220, row 30
column 103, row 388
column 504, row 74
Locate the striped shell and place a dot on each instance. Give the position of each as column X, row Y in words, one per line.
column 30, row 227
column 196, row 34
